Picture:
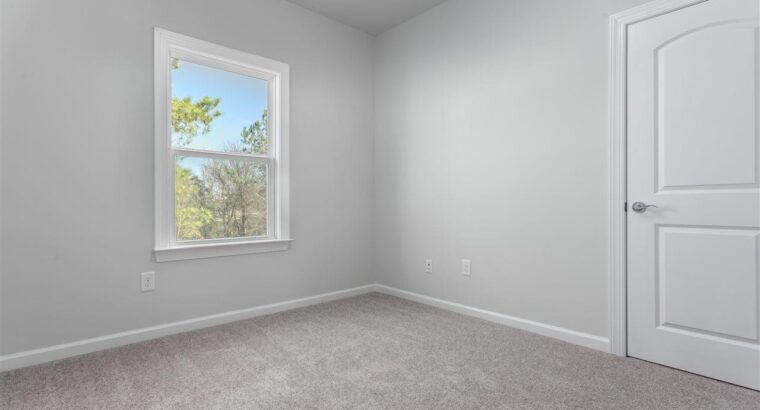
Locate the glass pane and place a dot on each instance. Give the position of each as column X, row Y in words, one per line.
column 220, row 198
column 217, row 110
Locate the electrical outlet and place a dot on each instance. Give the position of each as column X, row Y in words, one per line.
column 466, row 267
column 429, row 265
column 148, row 281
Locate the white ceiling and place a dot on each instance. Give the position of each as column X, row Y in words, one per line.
column 371, row 16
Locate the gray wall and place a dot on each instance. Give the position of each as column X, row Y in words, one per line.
column 491, row 144
column 77, row 165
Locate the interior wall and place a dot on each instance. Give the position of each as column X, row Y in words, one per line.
column 491, row 145
column 77, row 165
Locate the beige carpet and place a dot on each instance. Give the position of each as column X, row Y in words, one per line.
column 371, row 351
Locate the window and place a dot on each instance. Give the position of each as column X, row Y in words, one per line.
column 221, row 150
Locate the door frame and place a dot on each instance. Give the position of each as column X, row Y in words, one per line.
column 618, row 53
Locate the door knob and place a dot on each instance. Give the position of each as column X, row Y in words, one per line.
column 641, row 207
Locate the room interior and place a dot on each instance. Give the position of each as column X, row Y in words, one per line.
column 379, row 204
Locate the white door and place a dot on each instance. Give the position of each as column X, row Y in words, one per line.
column 693, row 151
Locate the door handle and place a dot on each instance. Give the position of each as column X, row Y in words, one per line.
column 641, row 207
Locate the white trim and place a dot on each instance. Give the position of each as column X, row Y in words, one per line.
column 2, row 93
column 556, row 332
column 169, row 45
column 161, row 111
column 65, row 350
column 236, row 156
column 213, row 250
column 62, row 351
column 617, row 160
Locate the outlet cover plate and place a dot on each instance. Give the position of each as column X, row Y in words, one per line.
column 466, row 267
column 148, row 281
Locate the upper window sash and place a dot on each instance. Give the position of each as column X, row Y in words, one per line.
column 272, row 79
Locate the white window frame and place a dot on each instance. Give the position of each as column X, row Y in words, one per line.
column 169, row 45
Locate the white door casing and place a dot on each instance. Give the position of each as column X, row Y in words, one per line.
column 692, row 150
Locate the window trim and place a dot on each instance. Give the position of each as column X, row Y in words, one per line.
column 169, row 45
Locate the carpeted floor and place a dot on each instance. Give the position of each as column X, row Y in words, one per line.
column 371, row 351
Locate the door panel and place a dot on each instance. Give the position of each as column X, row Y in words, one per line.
column 693, row 119
column 692, row 114
column 694, row 290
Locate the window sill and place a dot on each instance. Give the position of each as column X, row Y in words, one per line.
column 222, row 249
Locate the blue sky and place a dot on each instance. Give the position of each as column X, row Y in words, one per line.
column 244, row 100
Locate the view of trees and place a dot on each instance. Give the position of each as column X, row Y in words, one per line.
column 220, row 198
column 189, row 117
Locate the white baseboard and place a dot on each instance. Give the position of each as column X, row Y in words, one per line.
column 566, row 335
column 62, row 351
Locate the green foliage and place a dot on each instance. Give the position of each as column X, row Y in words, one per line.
column 237, row 197
column 189, row 118
column 192, row 117
column 228, row 201
column 254, row 137
column 190, row 216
